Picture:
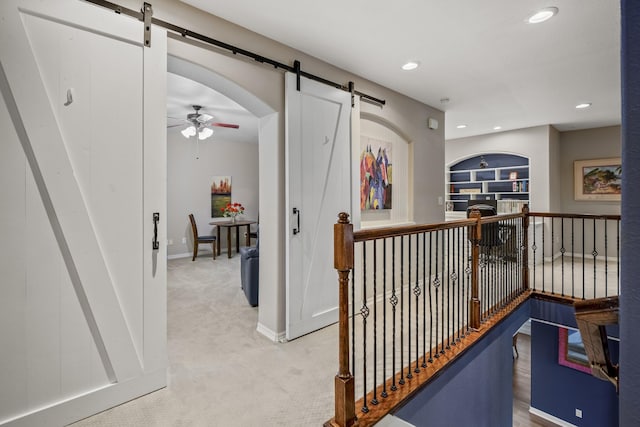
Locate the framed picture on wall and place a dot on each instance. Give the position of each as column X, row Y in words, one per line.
column 598, row 179
column 220, row 195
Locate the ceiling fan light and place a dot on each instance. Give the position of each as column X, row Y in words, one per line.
column 205, row 133
column 204, row 117
column 188, row 132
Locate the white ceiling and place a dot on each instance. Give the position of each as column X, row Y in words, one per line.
column 495, row 69
column 183, row 93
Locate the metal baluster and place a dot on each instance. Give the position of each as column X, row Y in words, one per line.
column 534, row 248
column 573, row 253
column 374, row 400
column 584, row 278
column 618, row 254
column 606, row 259
column 562, row 250
column 364, row 312
column 430, row 299
column 448, row 288
column 543, row 260
column 595, row 254
column 384, row 318
column 409, row 375
column 424, row 301
column 401, row 380
column 416, row 292
column 442, row 306
column 467, row 274
column 353, row 322
column 459, row 269
column 553, row 243
column 394, row 302
column 436, row 284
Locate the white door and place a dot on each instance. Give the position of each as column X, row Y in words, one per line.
column 318, row 151
column 82, row 171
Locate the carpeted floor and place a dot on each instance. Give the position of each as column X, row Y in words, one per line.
column 221, row 371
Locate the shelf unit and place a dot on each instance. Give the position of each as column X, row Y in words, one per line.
column 507, row 182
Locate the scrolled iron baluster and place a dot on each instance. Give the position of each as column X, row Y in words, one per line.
column 364, row 312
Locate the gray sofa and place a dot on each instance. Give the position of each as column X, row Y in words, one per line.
column 249, row 264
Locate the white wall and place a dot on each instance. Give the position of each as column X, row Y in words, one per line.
column 530, row 142
column 190, row 167
column 267, row 84
column 399, row 213
column 585, row 145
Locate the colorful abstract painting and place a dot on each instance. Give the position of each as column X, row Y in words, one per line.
column 220, row 195
column 375, row 174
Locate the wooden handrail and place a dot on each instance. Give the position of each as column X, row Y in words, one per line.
column 575, row 216
column 476, row 323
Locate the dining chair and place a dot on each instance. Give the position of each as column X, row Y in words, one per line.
column 197, row 240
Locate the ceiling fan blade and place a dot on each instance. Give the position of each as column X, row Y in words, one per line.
column 225, row 125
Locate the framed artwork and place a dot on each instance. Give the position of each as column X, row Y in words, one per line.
column 220, row 195
column 571, row 352
column 598, row 179
column 375, row 174
column 513, row 176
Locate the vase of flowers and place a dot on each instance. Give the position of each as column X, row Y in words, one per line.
column 232, row 210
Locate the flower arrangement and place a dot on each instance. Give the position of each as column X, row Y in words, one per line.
column 232, row 210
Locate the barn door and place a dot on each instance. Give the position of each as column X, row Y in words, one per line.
column 318, row 188
column 82, row 173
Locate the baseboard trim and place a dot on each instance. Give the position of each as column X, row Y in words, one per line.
column 272, row 335
column 90, row 403
column 178, row 256
column 550, row 418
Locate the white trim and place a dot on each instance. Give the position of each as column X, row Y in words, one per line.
column 182, row 255
column 91, row 402
column 272, row 335
column 550, row 418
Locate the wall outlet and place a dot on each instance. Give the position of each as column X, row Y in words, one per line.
column 169, row 242
column 440, row 200
column 578, row 413
column 184, row 240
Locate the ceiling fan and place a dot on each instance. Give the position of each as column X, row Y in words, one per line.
column 200, row 124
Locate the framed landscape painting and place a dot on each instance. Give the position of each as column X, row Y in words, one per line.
column 220, row 195
column 598, row 179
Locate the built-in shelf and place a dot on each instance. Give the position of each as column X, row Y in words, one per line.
column 505, row 180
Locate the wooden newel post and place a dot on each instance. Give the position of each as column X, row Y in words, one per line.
column 525, row 247
column 345, row 411
column 474, row 303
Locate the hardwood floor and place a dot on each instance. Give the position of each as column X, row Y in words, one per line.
column 522, row 387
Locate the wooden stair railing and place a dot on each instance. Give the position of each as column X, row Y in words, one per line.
column 592, row 317
column 544, row 242
column 479, row 322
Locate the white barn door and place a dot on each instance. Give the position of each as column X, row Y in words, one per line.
column 318, row 177
column 82, row 171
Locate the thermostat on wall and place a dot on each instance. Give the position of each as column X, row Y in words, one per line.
column 432, row 123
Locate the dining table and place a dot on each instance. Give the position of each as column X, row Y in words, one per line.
column 230, row 225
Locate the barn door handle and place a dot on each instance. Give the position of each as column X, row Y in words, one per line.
column 156, row 218
column 296, row 212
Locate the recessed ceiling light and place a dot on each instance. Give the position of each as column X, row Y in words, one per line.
column 583, row 105
column 497, row 127
column 411, row 65
column 542, row 15
column 461, row 126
